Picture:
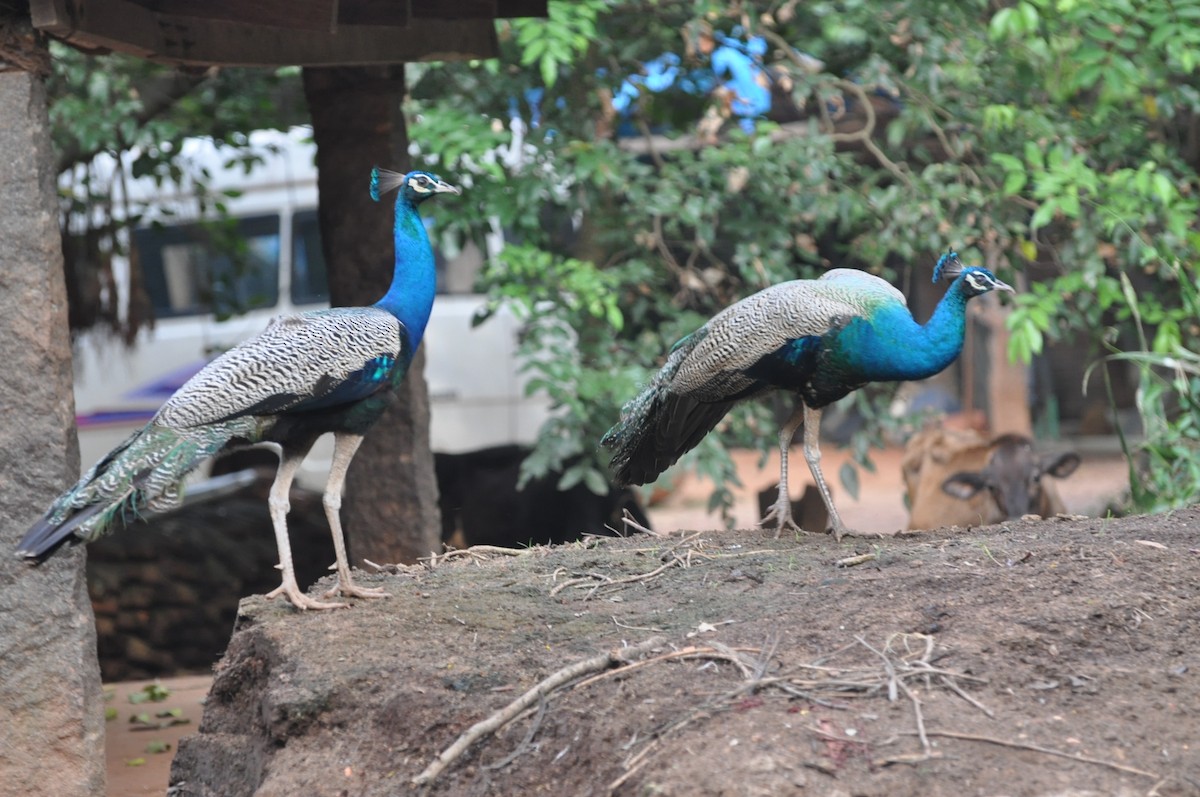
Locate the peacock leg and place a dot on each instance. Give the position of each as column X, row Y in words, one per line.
column 289, row 463
column 812, row 453
column 781, row 512
column 344, row 448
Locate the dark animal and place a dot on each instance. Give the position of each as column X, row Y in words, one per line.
column 819, row 339
column 323, row 371
column 481, row 505
column 964, row 479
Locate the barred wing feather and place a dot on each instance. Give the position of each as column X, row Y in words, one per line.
column 297, row 362
column 741, row 334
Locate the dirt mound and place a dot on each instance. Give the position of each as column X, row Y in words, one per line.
column 1032, row 658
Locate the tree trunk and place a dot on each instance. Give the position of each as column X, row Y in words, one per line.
column 390, row 512
column 52, row 736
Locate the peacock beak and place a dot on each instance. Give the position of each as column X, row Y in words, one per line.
column 1004, row 286
column 443, row 187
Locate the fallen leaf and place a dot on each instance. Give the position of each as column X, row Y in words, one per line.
column 153, row 692
column 1151, row 544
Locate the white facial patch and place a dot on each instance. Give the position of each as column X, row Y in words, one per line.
column 979, row 282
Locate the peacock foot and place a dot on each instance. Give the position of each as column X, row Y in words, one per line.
column 352, row 590
column 780, row 515
column 301, row 601
column 838, row 531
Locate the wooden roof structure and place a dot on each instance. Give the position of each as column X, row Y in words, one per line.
column 203, row 33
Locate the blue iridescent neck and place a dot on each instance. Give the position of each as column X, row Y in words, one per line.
column 889, row 345
column 414, row 280
column 942, row 335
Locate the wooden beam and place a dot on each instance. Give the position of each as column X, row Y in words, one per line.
column 126, row 26
column 522, row 8
column 470, row 9
column 309, row 15
column 394, row 13
column 460, row 9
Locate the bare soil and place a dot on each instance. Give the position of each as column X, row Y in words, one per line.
column 1029, row 658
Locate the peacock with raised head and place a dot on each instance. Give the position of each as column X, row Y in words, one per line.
column 331, row 370
column 819, row 339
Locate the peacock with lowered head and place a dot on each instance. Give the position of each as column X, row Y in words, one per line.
column 819, row 339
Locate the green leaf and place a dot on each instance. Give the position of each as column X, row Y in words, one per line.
column 1001, row 26
column 595, row 481
column 848, row 475
column 1014, row 182
column 1044, row 214
column 549, row 67
column 1029, row 16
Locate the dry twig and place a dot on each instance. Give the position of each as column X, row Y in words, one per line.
column 690, row 652
column 607, row 581
column 632, row 525
column 539, row 691
column 475, row 552
column 970, row 737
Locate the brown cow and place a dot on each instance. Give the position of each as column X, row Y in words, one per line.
column 963, row 479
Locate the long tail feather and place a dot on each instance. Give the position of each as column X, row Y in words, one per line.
column 659, row 425
column 655, row 430
column 44, row 538
column 143, row 473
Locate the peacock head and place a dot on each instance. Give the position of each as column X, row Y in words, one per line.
column 416, row 186
column 975, row 280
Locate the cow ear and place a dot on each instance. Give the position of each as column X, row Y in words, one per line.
column 964, row 484
column 1062, row 465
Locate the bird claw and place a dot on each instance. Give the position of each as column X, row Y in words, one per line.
column 300, row 600
column 840, row 531
column 352, row 590
column 781, row 515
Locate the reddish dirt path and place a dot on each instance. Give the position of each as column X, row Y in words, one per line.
column 126, row 747
column 1102, row 478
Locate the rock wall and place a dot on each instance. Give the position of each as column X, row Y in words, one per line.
column 52, row 734
column 165, row 592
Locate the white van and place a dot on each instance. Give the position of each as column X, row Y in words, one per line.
column 477, row 396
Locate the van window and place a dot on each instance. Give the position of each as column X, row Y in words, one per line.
column 222, row 267
column 310, row 285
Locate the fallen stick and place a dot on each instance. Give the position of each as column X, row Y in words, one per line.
column 689, row 652
column 970, row 737
column 851, row 561
column 631, row 524
column 544, row 687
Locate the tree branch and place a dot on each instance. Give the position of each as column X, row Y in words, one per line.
column 158, row 96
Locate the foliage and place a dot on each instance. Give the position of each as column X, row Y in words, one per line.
column 1164, row 469
column 527, row 279
column 117, row 106
column 1053, row 140
column 1114, row 193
